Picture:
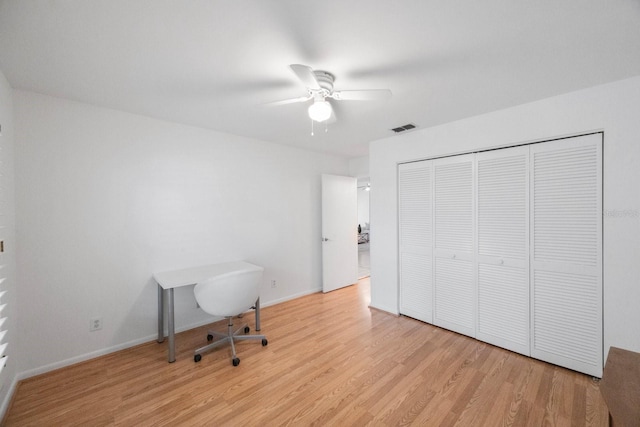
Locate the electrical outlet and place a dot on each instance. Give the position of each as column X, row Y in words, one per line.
column 95, row 324
column 273, row 283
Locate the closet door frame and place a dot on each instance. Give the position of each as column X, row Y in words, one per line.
column 573, row 272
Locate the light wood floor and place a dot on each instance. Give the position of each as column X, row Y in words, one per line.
column 330, row 361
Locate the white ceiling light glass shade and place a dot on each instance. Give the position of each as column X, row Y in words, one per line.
column 320, row 111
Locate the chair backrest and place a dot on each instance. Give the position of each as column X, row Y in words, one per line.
column 231, row 293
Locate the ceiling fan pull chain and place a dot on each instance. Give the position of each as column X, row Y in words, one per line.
column 311, row 127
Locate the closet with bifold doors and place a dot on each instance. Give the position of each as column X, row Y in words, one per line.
column 505, row 246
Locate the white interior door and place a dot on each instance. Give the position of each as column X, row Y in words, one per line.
column 502, row 220
column 415, row 231
column 339, row 232
column 454, row 225
column 566, row 249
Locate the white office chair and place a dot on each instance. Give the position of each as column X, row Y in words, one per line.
column 227, row 295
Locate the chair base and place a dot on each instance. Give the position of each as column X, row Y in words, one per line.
column 229, row 337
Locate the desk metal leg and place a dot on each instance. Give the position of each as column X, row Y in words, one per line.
column 160, row 314
column 172, row 331
column 258, row 314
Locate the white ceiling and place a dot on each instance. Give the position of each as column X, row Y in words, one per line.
column 212, row 63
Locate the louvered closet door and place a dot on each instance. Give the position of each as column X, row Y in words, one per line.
column 503, row 248
column 454, row 273
column 416, row 239
column 566, row 249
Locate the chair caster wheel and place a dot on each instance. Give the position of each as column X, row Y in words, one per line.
column 209, row 337
column 246, row 329
column 197, row 358
column 264, row 342
column 235, row 361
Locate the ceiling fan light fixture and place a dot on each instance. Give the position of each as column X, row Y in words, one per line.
column 320, row 111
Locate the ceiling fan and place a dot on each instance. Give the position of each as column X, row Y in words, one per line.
column 319, row 86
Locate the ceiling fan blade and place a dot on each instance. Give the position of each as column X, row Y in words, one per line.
column 306, row 76
column 361, row 95
column 289, row 101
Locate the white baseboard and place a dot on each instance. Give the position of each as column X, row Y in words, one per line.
column 290, row 297
column 92, row 355
column 7, row 397
column 389, row 310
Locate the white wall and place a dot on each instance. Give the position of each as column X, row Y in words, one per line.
column 7, row 233
column 105, row 198
column 359, row 167
column 614, row 108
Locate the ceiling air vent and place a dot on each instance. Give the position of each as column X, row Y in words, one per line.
column 404, row 128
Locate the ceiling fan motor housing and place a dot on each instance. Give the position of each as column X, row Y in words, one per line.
column 325, row 81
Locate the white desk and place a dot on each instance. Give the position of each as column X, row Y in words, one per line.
column 169, row 280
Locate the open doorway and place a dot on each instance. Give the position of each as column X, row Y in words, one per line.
column 364, row 263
